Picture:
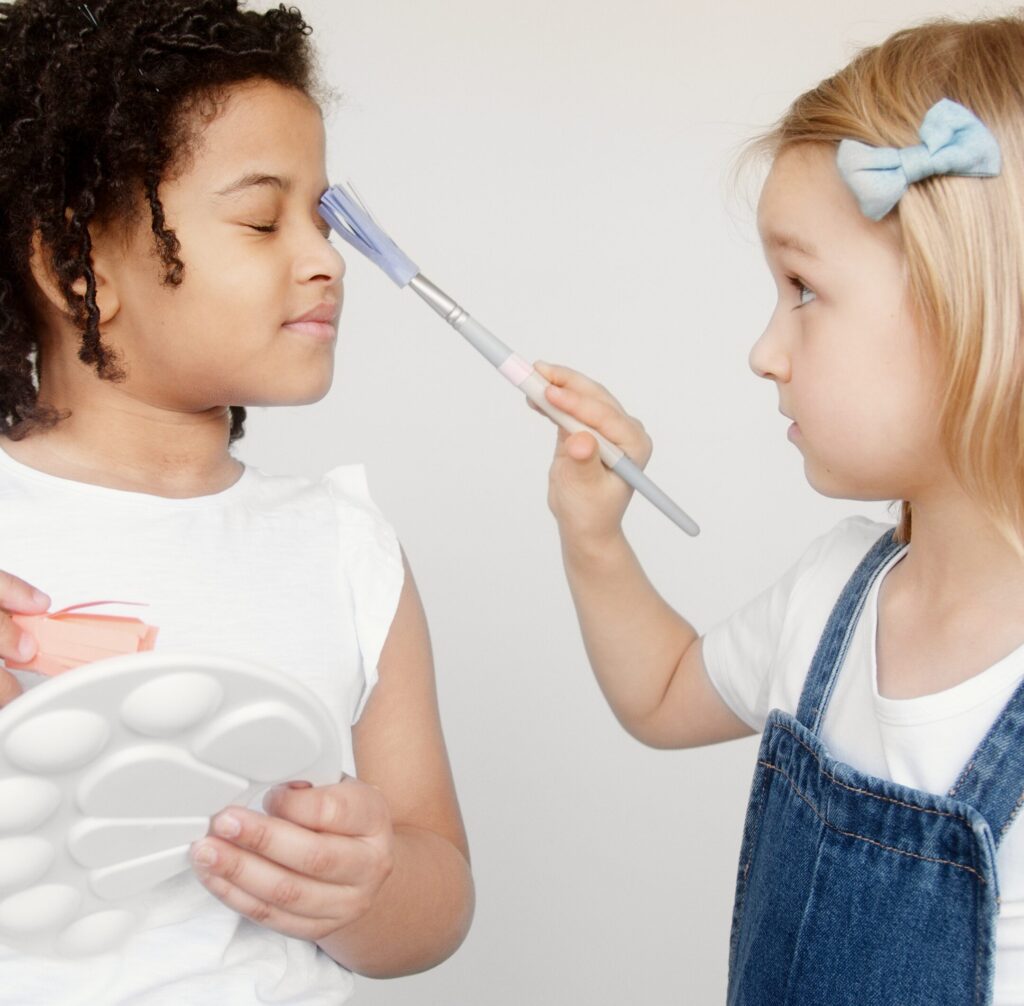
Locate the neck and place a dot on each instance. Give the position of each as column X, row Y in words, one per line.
column 957, row 558
column 115, row 437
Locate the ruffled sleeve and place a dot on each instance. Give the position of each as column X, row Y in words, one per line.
column 371, row 560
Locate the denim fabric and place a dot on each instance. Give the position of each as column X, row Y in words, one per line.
column 854, row 890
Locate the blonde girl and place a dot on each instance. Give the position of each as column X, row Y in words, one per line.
column 883, row 853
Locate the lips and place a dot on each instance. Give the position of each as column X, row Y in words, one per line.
column 320, row 324
column 326, row 313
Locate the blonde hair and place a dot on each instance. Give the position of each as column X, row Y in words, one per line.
column 963, row 238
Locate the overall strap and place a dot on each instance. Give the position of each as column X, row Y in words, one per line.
column 831, row 651
column 993, row 780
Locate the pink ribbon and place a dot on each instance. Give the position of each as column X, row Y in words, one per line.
column 67, row 639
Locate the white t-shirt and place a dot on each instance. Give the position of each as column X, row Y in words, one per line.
column 759, row 657
column 297, row 574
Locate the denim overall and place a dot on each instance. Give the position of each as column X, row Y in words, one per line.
column 856, row 891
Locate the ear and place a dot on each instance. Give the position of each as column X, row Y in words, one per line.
column 42, row 272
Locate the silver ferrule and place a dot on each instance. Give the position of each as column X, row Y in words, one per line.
column 437, row 299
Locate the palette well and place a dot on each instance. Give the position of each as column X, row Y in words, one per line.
column 109, row 773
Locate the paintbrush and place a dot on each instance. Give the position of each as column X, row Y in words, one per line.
column 353, row 222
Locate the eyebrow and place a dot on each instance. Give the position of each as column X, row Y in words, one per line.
column 789, row 241
column 254, row 179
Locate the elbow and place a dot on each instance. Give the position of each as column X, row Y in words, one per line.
column 452, row 922
column 646, row 729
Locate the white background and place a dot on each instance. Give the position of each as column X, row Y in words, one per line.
column 561, row 167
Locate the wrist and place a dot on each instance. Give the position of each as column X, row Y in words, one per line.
column 591, row 550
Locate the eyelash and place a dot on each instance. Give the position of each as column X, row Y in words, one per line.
column 272, row 229
column 801, row 287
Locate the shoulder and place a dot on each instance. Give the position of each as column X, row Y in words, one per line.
column 271, row 493
column 816, row 582
column 810, row 587
column 834, row 555
column 758, row 656
column 344, row 489
column 369, row 544
column 340, row 499
column 372, row 561
column 348, row 488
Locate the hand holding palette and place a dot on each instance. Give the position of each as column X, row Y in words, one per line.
column 109, row 773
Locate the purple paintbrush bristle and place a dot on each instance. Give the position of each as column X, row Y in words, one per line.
column 352, row 222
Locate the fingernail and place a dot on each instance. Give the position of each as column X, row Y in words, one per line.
column 41, row 599
column 227, row 826
column 26, row 646
column 204, row 855
column 300, row 784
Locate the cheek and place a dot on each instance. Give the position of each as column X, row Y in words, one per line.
column 869, row 436
column 842, row 398
column 195, row 337
column 235, row 279
column 227, row 311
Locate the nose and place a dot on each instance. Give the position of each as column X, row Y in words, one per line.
column 318, row 259
column 769, row 357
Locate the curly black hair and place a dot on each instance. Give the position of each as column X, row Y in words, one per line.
column 96, row 106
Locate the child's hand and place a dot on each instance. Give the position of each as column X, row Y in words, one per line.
column 587, row 499
column 19, row 647
column 312, row 864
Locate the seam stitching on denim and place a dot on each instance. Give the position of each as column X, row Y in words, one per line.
column 1013, row 815
column 963, row 777
column 864, row 838
column 888, row 551
column 864, row 792
column 837, row 664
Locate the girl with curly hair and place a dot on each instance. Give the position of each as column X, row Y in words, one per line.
column 163, row 265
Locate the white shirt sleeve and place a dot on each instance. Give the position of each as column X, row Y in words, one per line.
column 749, row 651
column 372, row 560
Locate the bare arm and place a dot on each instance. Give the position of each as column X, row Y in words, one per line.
column 646, row 657
column 423, row 911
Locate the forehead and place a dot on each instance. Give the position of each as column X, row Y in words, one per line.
column 258, row 122
column 805, row 201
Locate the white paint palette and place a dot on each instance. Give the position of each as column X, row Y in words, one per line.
column 109, row 772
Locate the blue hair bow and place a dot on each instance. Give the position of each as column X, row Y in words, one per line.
column 954, row 142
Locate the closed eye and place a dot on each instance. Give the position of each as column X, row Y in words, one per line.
column 322, row 226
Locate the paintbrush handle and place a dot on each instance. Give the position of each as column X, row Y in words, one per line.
column 520, row 373
column 534, row 387
column 533, row 384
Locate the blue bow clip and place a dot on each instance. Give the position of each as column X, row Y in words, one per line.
column 954, row 142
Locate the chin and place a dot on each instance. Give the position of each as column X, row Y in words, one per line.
column 305, row 397
column 842, row 486
column 826, row 481
column 301, row 390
